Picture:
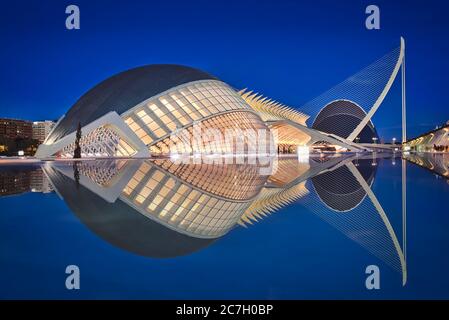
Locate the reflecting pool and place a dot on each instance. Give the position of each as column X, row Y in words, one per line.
column 290, row 228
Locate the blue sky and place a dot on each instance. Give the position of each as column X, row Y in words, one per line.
column 288, row 50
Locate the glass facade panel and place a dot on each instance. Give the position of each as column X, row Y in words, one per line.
column 181, row 107
column 232, row 136
column 156, row 192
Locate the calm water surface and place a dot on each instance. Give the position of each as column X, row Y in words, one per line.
column 294, row 228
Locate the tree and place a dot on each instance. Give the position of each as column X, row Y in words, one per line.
column 10, row 147
column 76, row 174
column 5, row 144
column 77, row 151
column 27, row 145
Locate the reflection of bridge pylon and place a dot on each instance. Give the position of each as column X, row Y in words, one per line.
column 355, row 211
column 364, row 221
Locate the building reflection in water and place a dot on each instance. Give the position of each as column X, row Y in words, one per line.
column 162, row 208
column 158, row 208
column 22, row 179
column 438, row 163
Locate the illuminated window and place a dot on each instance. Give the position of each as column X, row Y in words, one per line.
column 183, row 106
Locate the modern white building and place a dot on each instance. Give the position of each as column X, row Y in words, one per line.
column 150, row 110
column 155, row 109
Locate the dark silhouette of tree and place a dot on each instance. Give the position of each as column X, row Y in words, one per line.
column 77, row 151
column 76, row 174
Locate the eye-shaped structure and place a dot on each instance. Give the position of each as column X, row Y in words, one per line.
column 136, row 112
column 157, row 208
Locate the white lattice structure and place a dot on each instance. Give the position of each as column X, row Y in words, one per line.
column 102, row 142
column 270, row 110
column 108, row 136
column 101, row 172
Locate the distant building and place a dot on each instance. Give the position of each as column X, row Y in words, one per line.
column 14, row 182
column 24, row 180
column 39, row 182
column 22, row 137
column 41, row 129
column 13, row 128
column 436, row 140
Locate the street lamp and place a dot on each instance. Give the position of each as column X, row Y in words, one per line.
column 374, row 140
column 394, row 140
